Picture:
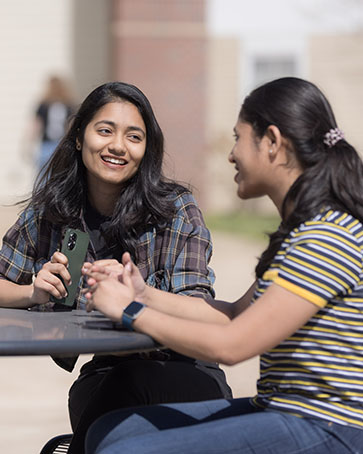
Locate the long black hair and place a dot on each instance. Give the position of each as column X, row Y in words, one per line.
column 60, row 192
column 332, row 175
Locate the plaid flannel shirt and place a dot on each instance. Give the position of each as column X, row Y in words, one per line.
column 174, row 258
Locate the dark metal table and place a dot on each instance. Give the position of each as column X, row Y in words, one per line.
column 24, row 332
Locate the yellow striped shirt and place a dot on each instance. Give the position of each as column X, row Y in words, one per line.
column 318, row 371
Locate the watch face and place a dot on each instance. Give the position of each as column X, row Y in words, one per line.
column 133, row 308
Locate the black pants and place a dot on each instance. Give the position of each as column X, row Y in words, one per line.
column 137, row 382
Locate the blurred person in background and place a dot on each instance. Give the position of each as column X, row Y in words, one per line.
column 51, row 118
column 105, row 177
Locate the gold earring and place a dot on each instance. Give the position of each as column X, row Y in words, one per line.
column 78, row 146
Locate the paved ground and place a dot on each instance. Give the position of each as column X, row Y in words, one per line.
column 33, row 390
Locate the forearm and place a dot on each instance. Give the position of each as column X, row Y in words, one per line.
column 196, row 308
column 275, row 316
column 15, row 295
column 204, row 341
column 188, row 307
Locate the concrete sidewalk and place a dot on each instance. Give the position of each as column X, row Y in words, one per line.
column 34, row 390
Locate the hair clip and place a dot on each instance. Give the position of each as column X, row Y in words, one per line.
column 333, row 136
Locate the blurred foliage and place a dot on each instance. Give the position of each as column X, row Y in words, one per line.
column 247, row 224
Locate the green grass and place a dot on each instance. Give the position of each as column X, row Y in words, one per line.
column 246, row 224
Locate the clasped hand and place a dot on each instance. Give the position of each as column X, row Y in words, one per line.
column 111, row 286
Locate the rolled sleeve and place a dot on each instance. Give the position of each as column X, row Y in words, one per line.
column 191, row 273
column 177, row 258
column 17, row 254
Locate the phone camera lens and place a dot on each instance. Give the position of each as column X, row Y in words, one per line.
column 73, row 236
column 72, row 241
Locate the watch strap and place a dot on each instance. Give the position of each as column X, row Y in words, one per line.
column 127, row 319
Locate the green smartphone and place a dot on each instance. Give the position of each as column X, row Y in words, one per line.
column 74, row 247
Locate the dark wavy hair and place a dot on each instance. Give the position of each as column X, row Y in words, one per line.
column 60, row 191
column 332, row 176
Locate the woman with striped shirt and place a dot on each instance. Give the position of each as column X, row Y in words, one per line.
column 303, row 315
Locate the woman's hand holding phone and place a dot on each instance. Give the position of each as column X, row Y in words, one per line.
column 48, row 283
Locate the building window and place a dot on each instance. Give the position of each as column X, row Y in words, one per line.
column 269, row 68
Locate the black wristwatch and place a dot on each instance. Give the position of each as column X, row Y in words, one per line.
column 130, row 313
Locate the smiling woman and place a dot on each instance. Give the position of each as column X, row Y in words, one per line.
column 113, row 146
column 105, row 178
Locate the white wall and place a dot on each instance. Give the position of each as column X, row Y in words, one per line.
column 280, row 28
column 35, row 40
column 323, row 39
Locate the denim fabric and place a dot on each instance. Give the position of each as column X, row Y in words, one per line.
column 46, row 151
column 218, row 426
column 138, row 382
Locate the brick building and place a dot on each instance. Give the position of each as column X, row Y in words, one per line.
column 159, row 46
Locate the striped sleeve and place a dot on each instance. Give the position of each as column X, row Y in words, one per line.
column 322, row 262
